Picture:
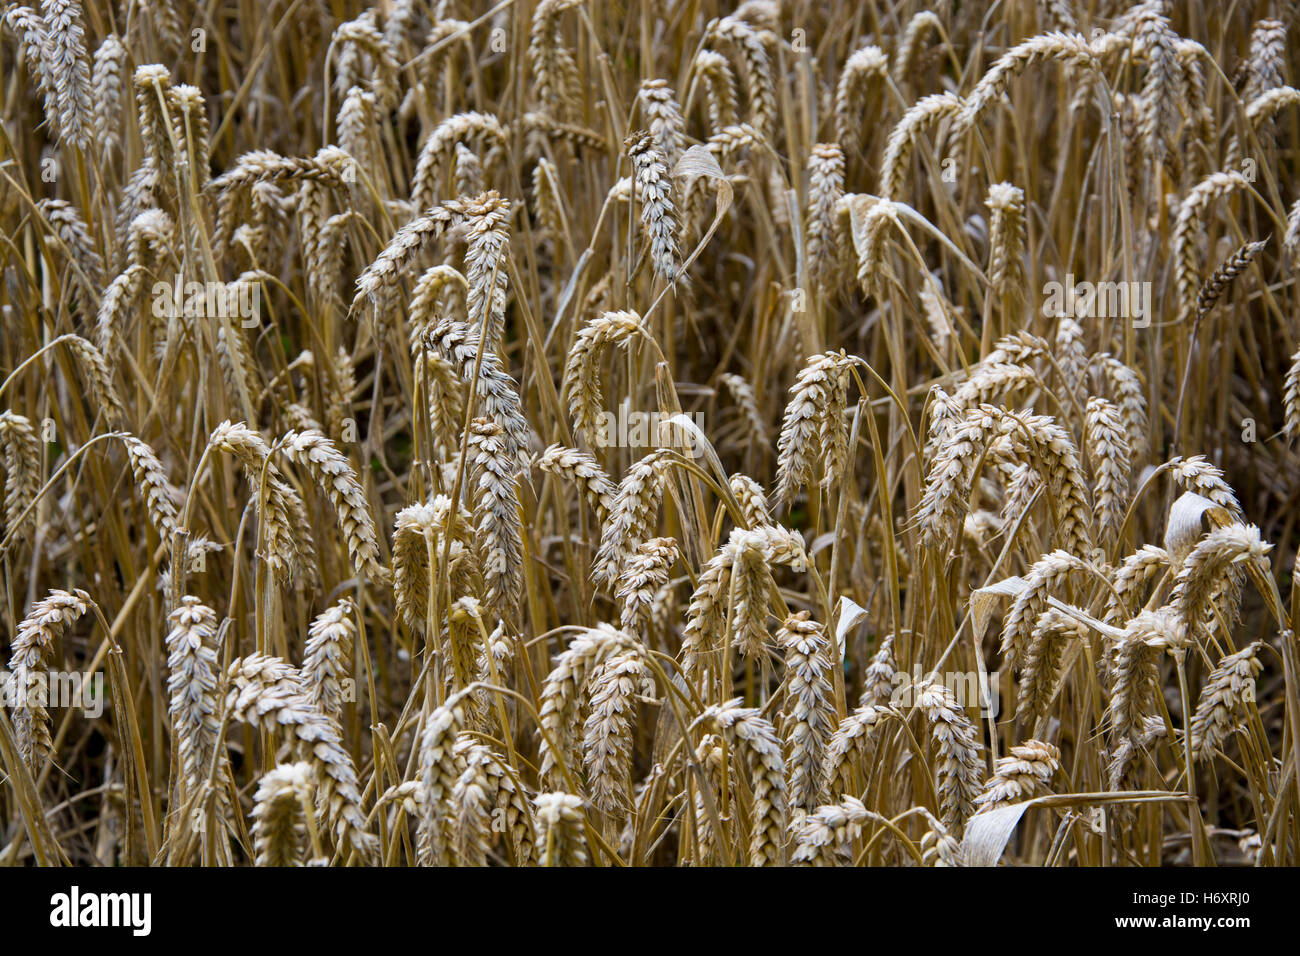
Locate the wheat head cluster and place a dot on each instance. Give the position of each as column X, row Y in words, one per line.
column 644, row 433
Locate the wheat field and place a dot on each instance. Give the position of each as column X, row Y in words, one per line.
column 649, row 433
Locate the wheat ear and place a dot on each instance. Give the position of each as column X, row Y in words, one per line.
column 32, row 643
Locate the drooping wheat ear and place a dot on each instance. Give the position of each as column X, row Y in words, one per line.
column 71, row 230
column 280, row 807
column 1225, row 693
column 238, row 369
column 607, row 735
column 862, row 71
column 1198, row 475
column 312, row 215
column 1129, row 585
column 462, row 646
column 108, row 76
column 191, row 118
column 28, row 687
column 1268, row 54
column 1126, row 392
column 1214, row 287
column 118, row 301
column 487, row 791
column 149, row 238
column 561, row 833
column 151, row 82
column 286, row 541
column 1188, row 228
column 814, row 427
column 897, row 156
column 550, row 219
column 357, row 122
column 821, row 835
column 654, row 188
column 632, row 516
column 432, row 298
column 825, row 189
column 1162, row 84
column 402, row 19
column 1264, row 107
column 441, row 765
column 580, row 137
column 646, row 571
column 497, row 397
column 488, row 226
column 22, row 458
column 563, row 690
column 945, row 412
column 555, row 72
column 1049, row 576
column 328, row 656
column 869, row 233
column 760, row 83
column 1021, row 775
column 65, row 49
column 706, row 615
column 377, row 282
column 334, row 474
column 418, row 538
column 754, row 735
column 584, row 471
column 329, row 168
column 849, row 750
column 467, row 175
column 138, row 195
column 194, row 676
column 338, row 393
column 361, row 36
column 435, row 161
column 742, row 393
column 663, row 116
column 1006, row 240
column 939, row 848
column 1118, row 772
column 952, row 470
column 957, row 743
column 1212, row 572
column 469, row 798
column 582, row 369
column 720, row 85
column 1069, row 48
column 165, row 20
column 709, row 757
column 753, row 503
column 1042, row 661
column 29, row 29
column 1135, row 679
column 155, row 491
column 265, row 693
column 494, row 478
column 910, row 43
column 808, row 717
column 1053, row 455
column 1291, row 394
column 99, row 375
column 727, row 142
column 750, row 585
column 1108, row 448
column 1071, row 356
